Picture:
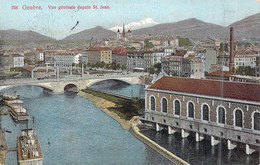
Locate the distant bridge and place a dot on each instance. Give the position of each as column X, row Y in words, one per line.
column 57, row 86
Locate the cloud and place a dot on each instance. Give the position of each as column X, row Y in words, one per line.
column 136, row 25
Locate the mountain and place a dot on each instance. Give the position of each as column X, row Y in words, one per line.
column 136, row 25
column 247, row 27
column 12, row 34
column 97, row 32
column 190, row 28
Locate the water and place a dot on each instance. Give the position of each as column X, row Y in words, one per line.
column 78, row 132
column 200, row 153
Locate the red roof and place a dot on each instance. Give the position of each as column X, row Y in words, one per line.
column 180, row 52
column 129, row 31
column 119, row 51
column 98, row 48
column 220, row 74
column 223, row 89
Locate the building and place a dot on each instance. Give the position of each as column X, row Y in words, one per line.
column 223, row 59
column 39, row 54
column 17, row 61
column 99, row 54
column 206, row 109
column 210, row 43
column 124, row 35
column 257, row 67
column 219, row 75
column 192, row 67
column 135, row 60
column 38, row 72
column 210, row 58
column 137, row 45
column 64, row 60
column 246, row 58
column 49, row 56
column 119, row 56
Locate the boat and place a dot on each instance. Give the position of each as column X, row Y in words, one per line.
column 18, row 113
column 29, row 149
column 6, row 96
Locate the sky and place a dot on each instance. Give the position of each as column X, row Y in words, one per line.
column 58, row 23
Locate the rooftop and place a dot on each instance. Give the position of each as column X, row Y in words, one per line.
column 98, row 48
column 222, row 89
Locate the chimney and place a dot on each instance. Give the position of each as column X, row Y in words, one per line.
column 231, row 64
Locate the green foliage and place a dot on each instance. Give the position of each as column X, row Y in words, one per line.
column 88, row 64
column 245, row 70
column 123, row 67
column 184, row 41
column 27, row 61
column 151, row 70
column 130, row 48
column 15, row 69
column 73, row 64
column 226, row 47
column 221, row 48
column 148, row 45
column 39, row 62
column 102, row 64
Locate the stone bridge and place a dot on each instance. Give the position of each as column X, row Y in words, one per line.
column 57, row 86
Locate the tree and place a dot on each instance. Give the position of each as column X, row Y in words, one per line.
column 221, row 48
column 245, row 70
column 184, row 41
column 151, row 70
column 102, row 64
column 226, row 47
column 148, row 45
column 88, row 64
column 39, row 62
column 157, row 66
column 73, row 64
column 123, row 67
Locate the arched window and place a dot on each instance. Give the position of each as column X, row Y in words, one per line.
column 164, row 105
column 238, row 118
column 190, row 110
column 205, row 112
column 177, row 107
column 221, row 115
column 152, row 103
column 257, row 121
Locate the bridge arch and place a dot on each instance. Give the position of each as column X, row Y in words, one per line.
column 71, row 87
column 100, row 80
column 13, row 86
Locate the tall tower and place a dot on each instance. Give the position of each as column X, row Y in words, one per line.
column 231, row 65
column 123, row 35
column 118, row 34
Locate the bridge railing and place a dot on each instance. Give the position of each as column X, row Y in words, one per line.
column 68, row 78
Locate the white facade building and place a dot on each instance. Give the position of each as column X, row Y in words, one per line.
column 17, row 61
column 245, row 60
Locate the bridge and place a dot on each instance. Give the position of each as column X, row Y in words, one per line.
column 57, row 86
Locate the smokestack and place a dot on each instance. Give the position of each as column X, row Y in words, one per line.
column 231, row 65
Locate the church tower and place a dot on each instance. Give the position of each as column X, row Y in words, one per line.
column 123, row 31
column 118, row 34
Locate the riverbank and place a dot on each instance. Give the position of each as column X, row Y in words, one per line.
column 104, row 104
column 3, row 146
column 131, row 125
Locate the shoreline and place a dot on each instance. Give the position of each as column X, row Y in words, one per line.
column 131, row 126
column 3, row 145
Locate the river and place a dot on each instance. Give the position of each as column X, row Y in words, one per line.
column 81, row 133
column 78, row 132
